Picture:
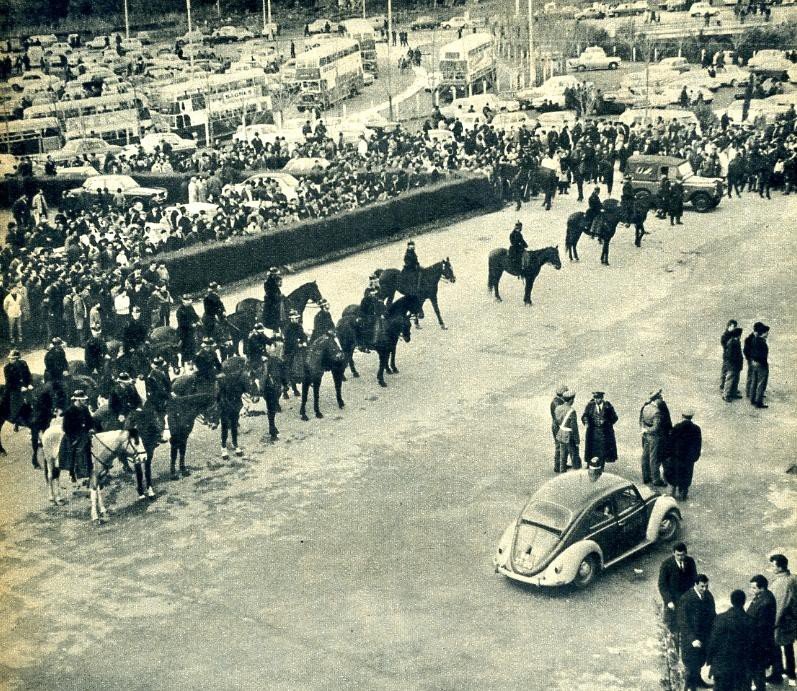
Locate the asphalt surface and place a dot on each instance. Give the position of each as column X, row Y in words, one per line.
column 356, row 552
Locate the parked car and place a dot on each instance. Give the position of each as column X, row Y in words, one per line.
column 580, row 523
column 43, row 40
column 230, row 34
column 646, row 170
column 458, row 22
column 78, row 148
column 703, row 9
column 593, row 58
column 628, row 9
column 675, row 64
column 510, row 122
column 773, row 63
column 157, row 139
column 424, row 22
column 378, row 22
column 463, row 105
column 132, row 191
column 732, row 75
column 35, row 80
column 98, row 43
column 323, row 26
column 552, row 92
column 590, row 13
column 287, row 183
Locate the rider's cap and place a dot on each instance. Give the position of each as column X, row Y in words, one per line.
column 569, row 395
column 323, row 302
column 186, row 297
column 654, row 393
column 213, row 286
column 274, row 271
column 79, row 395
column 158, row 361
column 598, row 393
column 627, row 176
column 258, row 326
column 123, row 377
column 277, row 337
column 411, row 244
column 373, row 277
column 760, row 328
column 518, row 224
column 688, row 412
column 207, row 341
column 560, row 389
column 57, row 341
column 14, row 355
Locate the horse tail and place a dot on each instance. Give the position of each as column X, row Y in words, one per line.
column 492, row 268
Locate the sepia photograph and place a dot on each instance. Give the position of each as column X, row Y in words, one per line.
column 398, row 344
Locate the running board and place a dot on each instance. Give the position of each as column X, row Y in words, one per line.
column 639, row 547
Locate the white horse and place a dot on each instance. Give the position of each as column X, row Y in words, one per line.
column 105, row 447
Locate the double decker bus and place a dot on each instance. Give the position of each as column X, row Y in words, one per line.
column 26, row 137
column 329, row 73
column 209, row 108
column 467, row 65
column 362, row 31
column 116, row 118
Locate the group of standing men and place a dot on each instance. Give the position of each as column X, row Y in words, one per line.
column 739, row 645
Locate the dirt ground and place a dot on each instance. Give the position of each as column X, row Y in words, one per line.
column 356, row 552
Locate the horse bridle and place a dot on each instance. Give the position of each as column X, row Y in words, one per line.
column 124, row 451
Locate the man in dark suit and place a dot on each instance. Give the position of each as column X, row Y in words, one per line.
column 761, row 611
column 696, row 612
column 677, row 575
column 728, row 650
column 686, row 443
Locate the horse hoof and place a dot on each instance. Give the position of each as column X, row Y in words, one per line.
column 319, row 415
column 174, row 476
column 3, row 452
column 383, row 383
column 343, row 377
column 395, row 370
column 304, row 417
column 443, row 327
column 341, row 404
column 104, row 518
column 60, row 501
column 35, row 464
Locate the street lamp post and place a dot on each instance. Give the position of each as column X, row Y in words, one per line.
column 127, row 21
column 532, row 66
column 389, row 33
column 266, row 15
column 364, row 17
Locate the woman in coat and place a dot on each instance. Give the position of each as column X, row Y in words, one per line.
column 599, row 441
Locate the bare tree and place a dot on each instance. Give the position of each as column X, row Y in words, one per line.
column 281, row 100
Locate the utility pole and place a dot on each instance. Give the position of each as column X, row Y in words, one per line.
column 127, row 21
column 190, row 31
column 532, row 66
column 364, row 17
column 389, row 64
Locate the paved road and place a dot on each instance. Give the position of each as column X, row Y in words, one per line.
column 356, row 552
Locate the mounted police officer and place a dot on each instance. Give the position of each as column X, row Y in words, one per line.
column 124, row 398
column 55, row 369
column 295, row 341
column 593, row 212
column 517, row 244
column 372, row 309
column 134, row 340
column 273, row 300
column 95, row 352
column 411, row 269
column 322, row 323
column 18, row 382
column 207, row 363
column 74, row 453
column 187, row 319
column 214, row 312
column 255, row 346
column 159, row 389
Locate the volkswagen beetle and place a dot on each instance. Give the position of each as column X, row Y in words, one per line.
column 581, row 522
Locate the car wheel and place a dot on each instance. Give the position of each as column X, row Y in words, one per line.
column 642, row 196
column 733, row 83
column 670, row 527
column 588, row 569
column 613, row 65
column 581, row 68
column 702, row 202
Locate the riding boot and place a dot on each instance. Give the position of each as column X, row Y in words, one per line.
column 139, row 481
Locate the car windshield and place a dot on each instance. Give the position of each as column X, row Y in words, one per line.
column 685, row 170
column 547, row 515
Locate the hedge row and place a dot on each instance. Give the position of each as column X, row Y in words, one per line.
column 192, row 268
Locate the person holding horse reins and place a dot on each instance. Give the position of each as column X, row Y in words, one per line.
column 187, row 319
column 214, row 312
column 412, row 267
column 159, row 388
column 322, row 323
column 593, row 213
column 74, row 453
column 272, row 300
column 295, row 340
column 255, row 346
column 371, row 310
column 207, row 362
column 18, row 381
column 517, row 244
column 124, row 398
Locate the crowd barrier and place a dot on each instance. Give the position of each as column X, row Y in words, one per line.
column 192, row 268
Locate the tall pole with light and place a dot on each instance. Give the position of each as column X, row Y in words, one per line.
column 389, row 34
column 190, row 34
column 127, row 21
column 364, row 17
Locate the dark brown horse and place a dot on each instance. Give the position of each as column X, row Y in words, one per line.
column 422, row 285
column 322, row 355
column 531, row 263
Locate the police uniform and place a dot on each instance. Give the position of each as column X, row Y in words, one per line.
column 17, row 377
column 75, row 451
column 517, row 243
column 213, row 310
column 159, row 388
column 321, row 324
column 272, row 301
column 94, row 353
column 255, row 347
column 207, row 365
column 187, row 318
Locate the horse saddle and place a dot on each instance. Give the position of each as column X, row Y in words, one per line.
column 408, row 281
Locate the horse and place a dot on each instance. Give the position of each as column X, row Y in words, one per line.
column 36, row 409
column 395, row 324
column 105, row 447
column 428, row 278
column 165, row 342
column 269, row 382
column 531, row 263
column 250, row 310
column 575, row 229
column 322, row 355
